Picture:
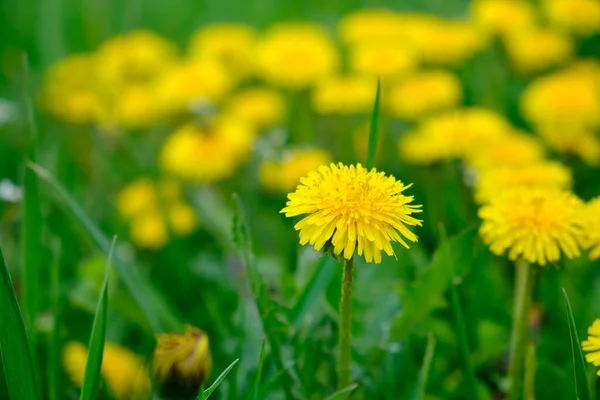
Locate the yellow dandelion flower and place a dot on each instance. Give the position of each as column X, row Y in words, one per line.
column 135, row 107
column 513, row 150
column 232, row 45
column 351, row 209
column 424, row 93
column 544, row 175
column 536, row 225
column 452, row 135
column 592, row 344
column 137, row 198
column 344, row 95
column 182, row 218
column 296, row 54
column 591, row 224
column 503, row 16
column 259, row 106
column 284, row 175
column 580, row 142
column 149, row 230
column 535, row 50
column 124, row 371
column 207, row 153
column 580, row 17
column 371, row 25
column 384, row 59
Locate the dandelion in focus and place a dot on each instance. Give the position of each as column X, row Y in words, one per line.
column 181, row 363
column 503, row 16
column 259, row 106
column 344, row 95
column 351, row 209
column 535, row 50
column 124, row 371
column 580, row 17
column 591, row 224
column 283, row 175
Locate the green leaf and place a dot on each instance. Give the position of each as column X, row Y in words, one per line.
column 425, row 367
column 582, row 391
column 205, row 394
column 343, row 393
column 54, row 351
column 373, row 129
column 160, row 316
column 93, row 366
column 258, row 380
column 15, row 354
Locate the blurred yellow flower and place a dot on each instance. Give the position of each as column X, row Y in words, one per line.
column 593, row 344
column 452, row 135
column 580, row 17
column 537, row 49
column 284, row 175
column 296, row 54
column 385, row 59
column 503, row 16
column 424, row 93
column 181, row 363
column 134, row 107
column 232, row 45
column 543, row 175
column 149, row 230
column 344, row 95
column 259, row 106
column 583, row 143
column 207, row 153
column 351, row 209
column 372, row 25
column 182, row 218
column 512, row 150
column 137, row 198
column 536, row 225
column 191, row 83
column 591, row 225
column 124, row 371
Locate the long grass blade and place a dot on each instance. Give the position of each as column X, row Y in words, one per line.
column 15, row 354
column 343, row 393
column 258, row 380
column 54, row 350
column 92, row 378
column 425, row 368
column 582, row 391
column 160, row 316
column 374, row 129
column 205, row 394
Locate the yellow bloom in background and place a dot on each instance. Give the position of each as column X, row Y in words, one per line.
column 296, row 54
column 452, row 135
column 544, row 175
column 123, row 370
column 350, row 208
column 193, row 83
column 383, row 59
column 232, row 45
column 592, row 344
column 149, row 230
column 535, row 50
column 536, row 225
column 424, row 93
column 372, row 25
column 181, row 363
column 580, row 142
column 259, row 106
column 503, row 16
column 206, row 153
column 512, row 150
column 182, row 218
column 134, row 107
column 591, row 224
column 344, row 95
column 137, row 198
column 580, row 17
column 284, row 175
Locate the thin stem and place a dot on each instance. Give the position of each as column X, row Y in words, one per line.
column 463, row 342
column 344, row 359
column 520, row 331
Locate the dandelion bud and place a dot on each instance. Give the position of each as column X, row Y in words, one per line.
column 181, row 363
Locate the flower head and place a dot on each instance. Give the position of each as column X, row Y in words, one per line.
column 283, row 175
column 592, row 344
column 371, row 25
column 124, row 371
column 512, row 150
column 351, row 209
column 591, row 224
column 503, row 16
column 536, row 49
column 385, row 58
column 259, row 106
column 181, row 363
column 581, row 17
column 536, row 224
column 582, row 143
column 344, row 95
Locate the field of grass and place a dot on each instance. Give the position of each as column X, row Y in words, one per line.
column 175, row 221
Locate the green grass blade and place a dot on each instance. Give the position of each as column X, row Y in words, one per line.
column 205, row 394
column 463, row 342
column 259, row 372
column 160, row 316
column 425, row 368
column 374, row 129
column 582, row 391
column 54, row 351
column 93, row 366
column 15, row 354
column 343, row 393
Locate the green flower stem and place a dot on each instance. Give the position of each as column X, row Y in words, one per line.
column 520, row 331
column 344, row 359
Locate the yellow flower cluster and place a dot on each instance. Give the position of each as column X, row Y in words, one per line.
column 283, row 175
column 152, row 210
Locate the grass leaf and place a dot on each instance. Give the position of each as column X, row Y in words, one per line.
column 343, row 393
column 425, row 367
column 15, row 354
column 582, row 391
column 160, row 316
column 463, row 343
column 93, row 366
column 374, row 129
column 205, row 394
column 259, row 372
